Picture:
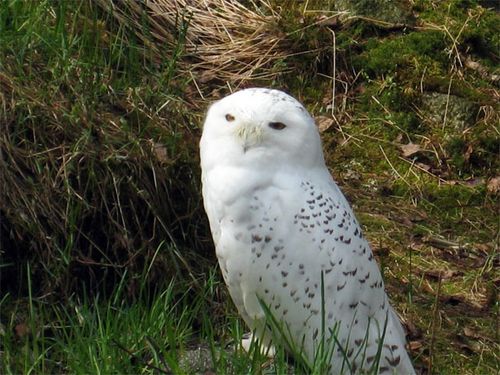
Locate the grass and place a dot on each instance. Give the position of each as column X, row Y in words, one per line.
column 105, row 255
column 89, row 335
column 84, row 171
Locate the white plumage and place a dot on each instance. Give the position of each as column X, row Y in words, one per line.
column 285, row 235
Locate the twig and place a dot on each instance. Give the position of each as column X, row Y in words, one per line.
column 422, row 80
column 441, row 180
column 334, row 72
column 447, row 103
column 196, row 85
column 441, row 243
column 434, row 324
column 157, row 350
column 138, row 359
column 392, row 167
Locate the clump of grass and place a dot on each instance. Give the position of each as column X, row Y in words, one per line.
column 90, row 334
column 96, row 167
column 225, row 41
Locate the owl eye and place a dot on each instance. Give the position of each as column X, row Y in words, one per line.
column 277, row 125
column 229, row 117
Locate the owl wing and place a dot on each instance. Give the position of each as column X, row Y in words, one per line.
column 303, row 254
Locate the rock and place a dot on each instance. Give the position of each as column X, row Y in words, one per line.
column 460, row 113
column 197, row 360
column 392, row 11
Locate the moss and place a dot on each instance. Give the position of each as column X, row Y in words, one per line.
column 474, row 154
column 421, row 230
column 454, row 196
column 481, row 33
column 456, row 149
column 486, row 155
column 374, row 222
column 453, row 208
column 417, row 50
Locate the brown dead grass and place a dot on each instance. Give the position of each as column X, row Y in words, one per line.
column 221, row 40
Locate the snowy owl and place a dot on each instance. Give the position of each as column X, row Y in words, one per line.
column 290, row 249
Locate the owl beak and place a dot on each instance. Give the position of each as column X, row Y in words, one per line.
column 250, row 135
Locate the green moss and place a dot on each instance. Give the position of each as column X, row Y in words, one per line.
column 421, row 230
column 486, row 156
column 474, row 154
column 483, row 36
column 417, row 50
column 453, row 208
column 374, row 222
column 456, row 149
column 454, row 196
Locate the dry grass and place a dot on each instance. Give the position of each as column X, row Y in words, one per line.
column 224, row 41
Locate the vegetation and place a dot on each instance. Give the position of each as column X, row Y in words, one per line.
column 106, row 261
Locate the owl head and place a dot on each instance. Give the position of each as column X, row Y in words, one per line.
column 262, row 126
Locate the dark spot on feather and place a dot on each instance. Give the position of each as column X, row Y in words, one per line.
column 340, row 287
column 315, row 334
column 256, row 238
column 394, row 362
